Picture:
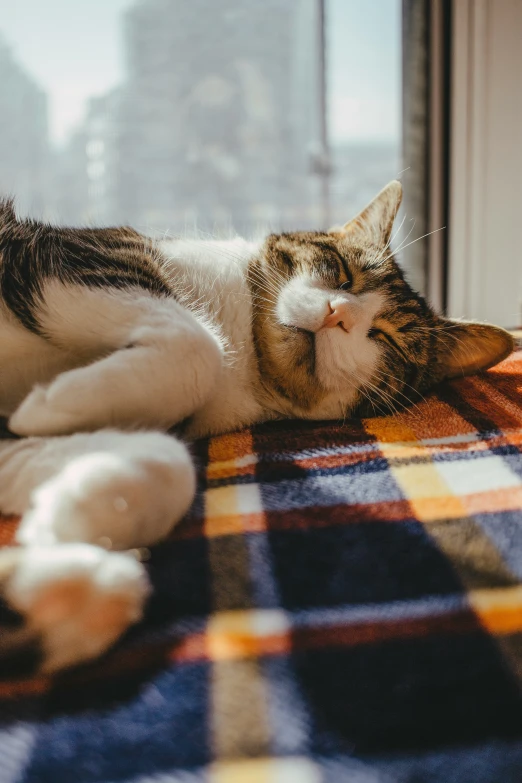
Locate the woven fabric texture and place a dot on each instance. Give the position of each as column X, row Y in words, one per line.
column 342, row 603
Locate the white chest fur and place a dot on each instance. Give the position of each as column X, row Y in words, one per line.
column 210, row 278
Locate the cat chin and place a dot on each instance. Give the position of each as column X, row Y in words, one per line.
column 335, row 405
column 338, row 364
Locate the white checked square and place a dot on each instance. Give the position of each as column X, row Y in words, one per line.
column 468, row 476
column 269, row 622
column 248, row 498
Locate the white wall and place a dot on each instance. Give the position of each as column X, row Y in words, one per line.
column 485, row 226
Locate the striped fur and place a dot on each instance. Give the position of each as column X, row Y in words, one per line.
column 416, row 347
column 104, row 330
column 33, row 252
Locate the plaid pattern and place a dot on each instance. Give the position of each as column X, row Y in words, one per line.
column 343, row 603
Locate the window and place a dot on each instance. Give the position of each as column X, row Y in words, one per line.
column 172, row 115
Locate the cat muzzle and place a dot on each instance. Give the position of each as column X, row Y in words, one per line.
column 340, row 315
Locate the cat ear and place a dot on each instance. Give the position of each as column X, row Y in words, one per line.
column 374, row 224
column 465, row 348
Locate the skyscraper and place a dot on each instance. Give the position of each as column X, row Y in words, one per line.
column 84, row 168
column 23, row 136
column 219, row 115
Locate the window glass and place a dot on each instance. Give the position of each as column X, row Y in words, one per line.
column 215, row 116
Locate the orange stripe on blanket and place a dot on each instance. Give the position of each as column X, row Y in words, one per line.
column 11, row 689
column 496, row 611
column 324, row 516
column 435, row 419
column 230, row 468
column 234, row 636
column 452, row 507
column 389, row 429
column 509, row 437
column 8, row 525
column 233, row 524
column 336, row 460
column 230, row 645
column 231, row 446
column 462, row 621
column 499, row 611
column 192, row 648
column 486, row 386
column 295, row 519
column 436, row 508
column 507, row 499
column 512, row 365
column 231, row 455
column 481, row 399
column 245, row 634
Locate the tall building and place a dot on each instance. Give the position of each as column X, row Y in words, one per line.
column 23, row 136
column 84, row 168
column 219, row 116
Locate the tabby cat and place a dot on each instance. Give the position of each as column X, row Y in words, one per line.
column 109, row 338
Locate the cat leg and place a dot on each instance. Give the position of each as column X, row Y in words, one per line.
column 161, row 376
column 120, row 490
column 73, row 600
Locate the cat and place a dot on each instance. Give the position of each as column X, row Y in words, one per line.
column 109, row 339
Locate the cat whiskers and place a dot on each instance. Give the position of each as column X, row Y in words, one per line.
column 402, row 246
column 411, row 404
column 376, row 259
column 386, row 400
column 269, row 284
column 269, row 276
column 390, row 398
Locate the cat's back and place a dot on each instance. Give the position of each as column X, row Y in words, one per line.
column 34, row 254
column 69, row 296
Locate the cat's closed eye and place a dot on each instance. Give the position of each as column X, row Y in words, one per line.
column 375, row 333
column 346, row 285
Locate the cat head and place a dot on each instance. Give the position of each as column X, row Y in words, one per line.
column 339, row 331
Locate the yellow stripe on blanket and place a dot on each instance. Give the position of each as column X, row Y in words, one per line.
column 265, row 770
column 499, row 610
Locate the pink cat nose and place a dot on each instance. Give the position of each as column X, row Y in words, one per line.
column 340, row 315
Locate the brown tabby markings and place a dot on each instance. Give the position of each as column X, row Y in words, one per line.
column 32, row 253
column 417, row 345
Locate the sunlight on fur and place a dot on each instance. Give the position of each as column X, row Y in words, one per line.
column 111, row 338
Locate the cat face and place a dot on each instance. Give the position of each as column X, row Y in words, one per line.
column 340, row 332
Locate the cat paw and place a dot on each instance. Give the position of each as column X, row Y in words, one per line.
column 76, row 600
column 118, row 499
column 38, row 415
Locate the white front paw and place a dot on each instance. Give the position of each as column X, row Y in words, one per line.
column 115, row 500
column 37, row 415
column 77, row 599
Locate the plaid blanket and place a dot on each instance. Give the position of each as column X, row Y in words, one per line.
column 343, row 603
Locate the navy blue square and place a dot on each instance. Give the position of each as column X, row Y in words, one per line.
column 408, row 694
column 359, row 563
column 163, row 727
column 179, row 573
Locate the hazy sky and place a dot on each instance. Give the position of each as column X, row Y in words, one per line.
column 73, row 50
column 364, row 68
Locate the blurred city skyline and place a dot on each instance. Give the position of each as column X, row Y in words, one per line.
column 172, row 115
column 74, row 51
